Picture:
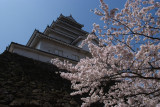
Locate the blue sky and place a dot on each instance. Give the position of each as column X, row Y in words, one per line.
column 19, row 18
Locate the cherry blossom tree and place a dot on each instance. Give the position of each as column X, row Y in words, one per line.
column 125, row 67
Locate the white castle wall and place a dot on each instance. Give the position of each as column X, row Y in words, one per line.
column 68, row 52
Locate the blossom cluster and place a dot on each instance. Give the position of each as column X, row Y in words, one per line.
column 125, row 67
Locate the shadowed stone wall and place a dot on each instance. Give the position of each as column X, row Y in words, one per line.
column 28, row 83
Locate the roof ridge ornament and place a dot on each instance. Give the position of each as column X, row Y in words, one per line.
column 70, row 17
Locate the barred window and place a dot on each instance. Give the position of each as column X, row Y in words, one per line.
column 75, row 57
column 58, row 52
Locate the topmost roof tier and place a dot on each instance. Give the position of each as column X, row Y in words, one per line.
column 70, row 20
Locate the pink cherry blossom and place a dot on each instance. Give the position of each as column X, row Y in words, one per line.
column 125, row 67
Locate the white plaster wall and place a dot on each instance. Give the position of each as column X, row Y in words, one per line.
column 36, row 55
column 38, row 45
column 67, row 51
column 45, row 58
column 25, row 53
column 31, row 54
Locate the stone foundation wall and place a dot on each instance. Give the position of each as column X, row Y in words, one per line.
column 29, row 83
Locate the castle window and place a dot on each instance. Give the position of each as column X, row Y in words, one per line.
column 75, row 57
column 58, row 52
